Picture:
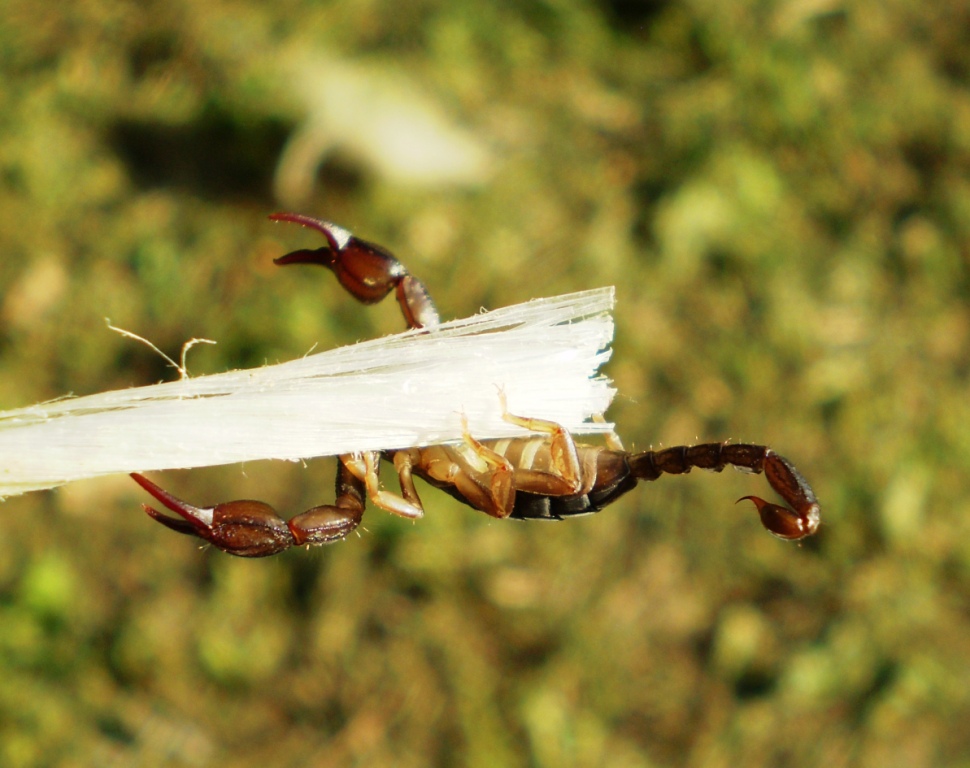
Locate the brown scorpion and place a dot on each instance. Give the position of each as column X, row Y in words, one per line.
column 530, row 478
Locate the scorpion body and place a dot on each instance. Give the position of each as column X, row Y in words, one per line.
column 536, row 478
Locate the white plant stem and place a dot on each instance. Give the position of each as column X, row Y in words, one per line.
column 403, row 390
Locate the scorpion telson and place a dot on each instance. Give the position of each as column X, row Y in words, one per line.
column 531, row 478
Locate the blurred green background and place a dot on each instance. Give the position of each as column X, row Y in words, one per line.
column 780, row 193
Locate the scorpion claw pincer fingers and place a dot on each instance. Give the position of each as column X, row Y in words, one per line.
column 244, row 528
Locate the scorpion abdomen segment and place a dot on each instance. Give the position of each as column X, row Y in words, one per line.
column 604, row 477
column 529, row 506
column 714, row 457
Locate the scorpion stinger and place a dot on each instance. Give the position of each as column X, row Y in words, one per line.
column 549, row 477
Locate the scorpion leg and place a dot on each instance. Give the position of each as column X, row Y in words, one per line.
column 469, row 477
column 487, row 482
column 364, row 466
column 612, row 440
column 403, row 464
column 799, row 520
column 566, row 477
column 491, row 480
column 366, row 270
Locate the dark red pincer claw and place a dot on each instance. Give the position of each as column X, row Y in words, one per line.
column 244, row 528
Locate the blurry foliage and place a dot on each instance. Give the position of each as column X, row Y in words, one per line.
column 780, row 191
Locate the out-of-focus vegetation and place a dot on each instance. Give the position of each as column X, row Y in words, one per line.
column 781, row 193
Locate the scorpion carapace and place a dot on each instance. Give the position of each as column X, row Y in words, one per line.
column 532, row 478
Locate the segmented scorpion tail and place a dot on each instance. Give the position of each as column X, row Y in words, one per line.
column 796, row 522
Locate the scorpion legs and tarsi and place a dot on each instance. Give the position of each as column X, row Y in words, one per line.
column 531, row 478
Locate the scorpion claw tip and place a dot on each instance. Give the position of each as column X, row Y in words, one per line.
column 194, row 520
column 336, row 236
column 179, row 526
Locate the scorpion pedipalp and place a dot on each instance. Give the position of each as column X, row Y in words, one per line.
column 366, row 270
column 248, row 528
column 245, row 528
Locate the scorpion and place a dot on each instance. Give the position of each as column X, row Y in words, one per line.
column 551, row 477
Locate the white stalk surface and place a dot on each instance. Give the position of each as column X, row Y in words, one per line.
column 398, row 391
